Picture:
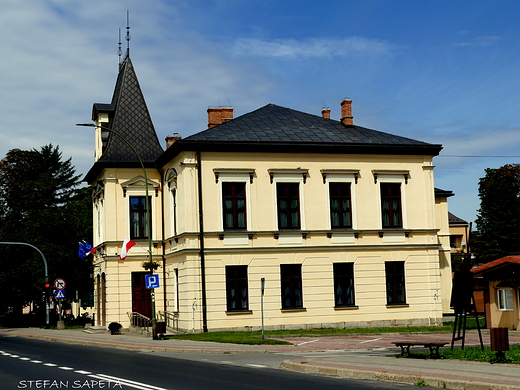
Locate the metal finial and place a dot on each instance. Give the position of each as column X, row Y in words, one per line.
column 128, row 37
column 119, row 51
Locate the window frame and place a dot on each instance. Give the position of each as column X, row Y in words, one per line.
column 234, row 200
column 344, row 278
column 237, row 279
column 291, row 279
column 502, row 299
column 392, row 278
column 288, row 198
column 339, row 195
column 389, row 197
column 142, row 215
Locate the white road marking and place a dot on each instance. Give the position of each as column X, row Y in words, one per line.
column 50, row 364
column 307, row 342
column 83, row 372
column 126, row 382
column 66, row 368
column 36, row 361
column 369, row 341
column 24, row 358
column 256, row 365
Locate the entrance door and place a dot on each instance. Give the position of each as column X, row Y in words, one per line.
column 141, row 296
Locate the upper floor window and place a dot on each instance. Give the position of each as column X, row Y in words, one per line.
column 288, row 199
column 391, row 205
column 234, row 205
column 340, row 205
column 139, row 217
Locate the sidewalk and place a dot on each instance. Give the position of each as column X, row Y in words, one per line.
column 450, row 374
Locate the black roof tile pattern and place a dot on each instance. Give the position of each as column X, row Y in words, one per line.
column 129, row 118
column 278, row 129
column 454, row 220
column 273, row 123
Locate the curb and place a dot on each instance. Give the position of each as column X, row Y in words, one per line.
column 392, row 377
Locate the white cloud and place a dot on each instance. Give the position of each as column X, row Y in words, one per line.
column 485, row 40
column 311, row 48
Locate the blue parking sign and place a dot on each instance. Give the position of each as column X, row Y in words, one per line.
column 151, row 281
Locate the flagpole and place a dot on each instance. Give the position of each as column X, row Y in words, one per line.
column 148, row 210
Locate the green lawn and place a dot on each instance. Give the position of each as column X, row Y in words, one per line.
column 253, row 338
column 473, row 353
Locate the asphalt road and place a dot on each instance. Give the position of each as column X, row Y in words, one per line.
column 36, row 364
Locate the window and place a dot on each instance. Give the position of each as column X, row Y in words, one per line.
column 236, row 288
column 288, row 195
column 343, row 284
column 505, row 299
column 234, row 205
column 340, row 205
column 138, row 217
column 395, row 287
column 391, row 205
column 291, row 281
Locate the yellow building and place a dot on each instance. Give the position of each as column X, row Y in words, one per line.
column 343, row 223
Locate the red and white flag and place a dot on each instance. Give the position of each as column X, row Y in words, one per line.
column 127, row 244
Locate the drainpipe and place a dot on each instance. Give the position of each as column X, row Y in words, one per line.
column 163, row 242
column 201, row 239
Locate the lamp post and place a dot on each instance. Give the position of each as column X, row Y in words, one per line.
column 148, row 210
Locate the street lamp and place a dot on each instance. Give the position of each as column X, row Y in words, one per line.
column 149, row 211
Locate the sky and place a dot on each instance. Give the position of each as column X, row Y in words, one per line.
column 445, row 72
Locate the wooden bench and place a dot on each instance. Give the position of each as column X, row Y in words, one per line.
column 432, row 345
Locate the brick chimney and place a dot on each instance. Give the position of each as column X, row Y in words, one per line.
column 346, row 112
column 325, row 113
column 171, row 140
column 219, row 115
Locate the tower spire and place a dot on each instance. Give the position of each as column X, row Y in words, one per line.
column 119, row 51
column 128, row 37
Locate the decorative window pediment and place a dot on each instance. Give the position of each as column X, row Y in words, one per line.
column 385, row 172
column 234, row 171
column 139, row 182
column 170, row 177
column 340, row 172
column 282, row 171
column 98, row 191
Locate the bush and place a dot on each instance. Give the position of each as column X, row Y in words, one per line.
column 115, row 328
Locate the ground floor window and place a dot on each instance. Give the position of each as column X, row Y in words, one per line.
column 291, row 282
column 505, row 299
column 343, row 284
column 236, row 288
column 395, row 283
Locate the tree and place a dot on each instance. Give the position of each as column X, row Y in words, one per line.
column 40, row 204
column 498, row 219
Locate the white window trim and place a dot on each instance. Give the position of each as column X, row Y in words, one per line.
column 140, row 192
column 505, row 290
column 235, row 176
column 392, row 178
column 289, row 176
column 343, row 178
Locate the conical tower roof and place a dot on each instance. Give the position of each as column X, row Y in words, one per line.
column 129, row 117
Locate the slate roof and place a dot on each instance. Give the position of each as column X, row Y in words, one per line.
column 129, row 117
column 274, row 128
column 454, row 220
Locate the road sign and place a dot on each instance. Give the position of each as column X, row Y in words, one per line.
column 60, row 294
column 59, row 284
column 152, row 281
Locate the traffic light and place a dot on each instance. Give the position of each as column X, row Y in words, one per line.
column 47, row 285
